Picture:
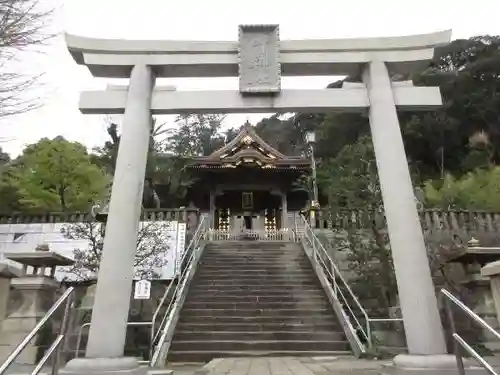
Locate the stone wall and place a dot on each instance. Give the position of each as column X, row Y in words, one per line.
column 446, row 233
column 138, row 337
column 452, row 226
column 22, row 233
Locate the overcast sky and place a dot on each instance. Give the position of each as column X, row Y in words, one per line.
column 215, row 20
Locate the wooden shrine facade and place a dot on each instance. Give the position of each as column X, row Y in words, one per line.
column 247, row 185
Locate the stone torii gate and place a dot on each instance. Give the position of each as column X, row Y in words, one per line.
column 259, row 59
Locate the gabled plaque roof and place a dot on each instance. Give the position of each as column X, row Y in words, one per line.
column 248, row 149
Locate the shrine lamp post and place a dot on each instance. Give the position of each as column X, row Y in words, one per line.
column 311, row 140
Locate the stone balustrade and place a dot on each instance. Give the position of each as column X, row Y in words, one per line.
column 431, row 219
column 162, row 214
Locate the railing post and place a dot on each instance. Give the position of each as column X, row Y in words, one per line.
column 456, row 346
column 60, row 351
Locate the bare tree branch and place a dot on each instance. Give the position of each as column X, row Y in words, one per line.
column 22, row 26
column 150, row 257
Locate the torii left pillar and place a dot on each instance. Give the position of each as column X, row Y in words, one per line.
column 105, row 348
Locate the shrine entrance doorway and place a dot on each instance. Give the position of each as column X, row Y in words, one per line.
column 241, row 212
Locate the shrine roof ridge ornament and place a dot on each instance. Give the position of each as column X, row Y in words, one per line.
column 115, row 57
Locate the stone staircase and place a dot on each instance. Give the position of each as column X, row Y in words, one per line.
column 255, row 299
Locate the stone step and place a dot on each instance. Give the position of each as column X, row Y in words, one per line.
column 220, row 296
column 254, row 299
column 316, row 317
column 255, row 305
column 248, row 244
column 255, row 253
column 256, row 272
column 266, row 267
column 266, row 279
column 255, row 258
column 281, row 335
column 209, row 318
column 258, row 312
column 260, row 290
column 262, row 258
column 258, row 327
column 274, row 345
column 268, row 260
column 208, row 355
column 255, row 248
column 275, row 282
column 295, row 278
column 256, row 268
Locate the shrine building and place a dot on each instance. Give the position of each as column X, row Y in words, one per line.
column 247, row 185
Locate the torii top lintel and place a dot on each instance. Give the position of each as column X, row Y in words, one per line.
column 257, row 45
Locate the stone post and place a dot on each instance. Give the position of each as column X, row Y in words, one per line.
column 4, row 297
column 212, row 208
column 423, row 328
column 284, row 210
column 106, row 342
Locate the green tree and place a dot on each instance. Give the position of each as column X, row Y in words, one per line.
column 196, row 135
column 9, row 192
column 57, row 175
column 350, row 179
column 105, row 157
column 478, row 190
column 468, row 73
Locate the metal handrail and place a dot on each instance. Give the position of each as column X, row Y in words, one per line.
column 85, row 325
column 154, row 335
column 458, row 341
column 187, row 261
column 332, row 271
column 56, row 346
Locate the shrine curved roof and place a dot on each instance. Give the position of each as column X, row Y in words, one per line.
column 248, row 148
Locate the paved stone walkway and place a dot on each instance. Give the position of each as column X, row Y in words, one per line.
column 292, row 366
column 262, row 366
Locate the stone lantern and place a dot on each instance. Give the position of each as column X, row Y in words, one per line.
column 33, row 294
column 7, row 272
column 478, row 262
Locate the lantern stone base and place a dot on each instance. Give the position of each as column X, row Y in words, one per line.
column 103, row 366
column 31, row 298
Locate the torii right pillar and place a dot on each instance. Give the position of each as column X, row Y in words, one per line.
column 424, row 331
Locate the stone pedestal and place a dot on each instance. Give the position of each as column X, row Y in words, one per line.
column 6, row 273
column 492, row 271
column 483, row 305
column 33, row 298
column 33, row 294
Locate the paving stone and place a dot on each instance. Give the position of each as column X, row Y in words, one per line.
column 240, row 367
column 293, row 366
column 277, row 366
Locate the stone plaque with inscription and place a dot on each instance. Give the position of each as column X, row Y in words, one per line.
column 259, row 64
